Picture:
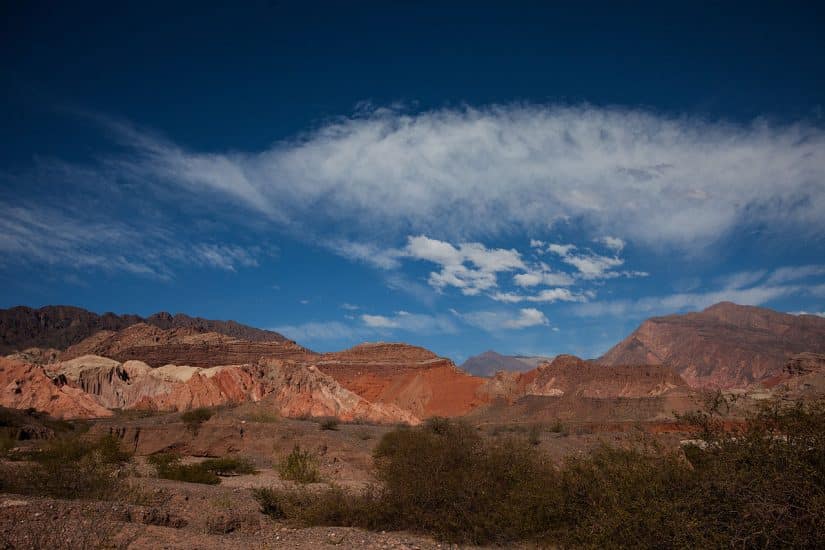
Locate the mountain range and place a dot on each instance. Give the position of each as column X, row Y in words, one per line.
column 69, row 362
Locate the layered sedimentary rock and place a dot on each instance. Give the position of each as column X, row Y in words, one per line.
column 62, row 326
column 569, row 375
column 24, row 386
column 726, row 345
column 288, row 388
column 181, row 346
column 409, row 377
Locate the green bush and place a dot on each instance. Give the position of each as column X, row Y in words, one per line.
column 762, row 485
column 168, row 466
column 300, row 466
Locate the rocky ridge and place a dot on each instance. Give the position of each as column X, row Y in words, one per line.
column 62, row 326
column 724, row 346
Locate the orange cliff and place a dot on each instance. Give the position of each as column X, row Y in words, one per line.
column 409, row 377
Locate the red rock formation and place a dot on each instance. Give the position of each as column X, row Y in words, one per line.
column 181, row 346
column 409, row 377
column 24, row 386
column 726, row 345
column 291, row 389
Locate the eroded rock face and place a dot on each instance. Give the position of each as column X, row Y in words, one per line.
column 725, row 346
column 181, row 346
column 302, row 390
column 24, row 386
column 289, row 388
column 803, row 377
column 408, row 377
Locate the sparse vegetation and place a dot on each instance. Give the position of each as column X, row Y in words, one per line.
column 69, row 467
column 759, row 485
column 168, row 466
column 300, row 466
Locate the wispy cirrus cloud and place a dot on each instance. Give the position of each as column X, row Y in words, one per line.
column 458, row 173
column 671, row 303
column 74, row 239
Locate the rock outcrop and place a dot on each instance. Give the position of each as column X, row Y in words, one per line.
column 408, row 377
column 288, row 388
column 803, row 377
column 62, row 326
column 26, row 386
column 181, row 346
column 724, row 346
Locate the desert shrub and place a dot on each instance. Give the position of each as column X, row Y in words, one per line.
column 70, row 467
column 300, row 466
column 558, row 428
column 329, row 423
column 168, row 466
column 7, row 442
column 760, row 485
column 534, row 435
column 194, row 418
column 229, row 465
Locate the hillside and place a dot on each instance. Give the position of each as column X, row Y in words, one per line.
column 62, row 326
column 726, row 345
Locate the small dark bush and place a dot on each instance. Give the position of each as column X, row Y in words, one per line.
column 194, row 418
column 329, row 423
column 300, row 466
column 168, row 466
column 229, row 466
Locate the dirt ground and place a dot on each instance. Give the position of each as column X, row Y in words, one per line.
column 174, row 514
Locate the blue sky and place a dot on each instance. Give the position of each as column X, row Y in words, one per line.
column 533, row 178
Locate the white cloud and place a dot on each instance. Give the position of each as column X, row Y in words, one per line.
column 542, row 276
column 411, row 322
column 319, row 331
column 795, row 273
column 78, row 239
column 470, row 267
column 379, row 321
column 684, row 301
column 589, row 264
column 742, row 279
column 460, row 173
column 492, row 321
column 548, row 295
column 613, row 243
column 366, row 252
column 349, row 307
